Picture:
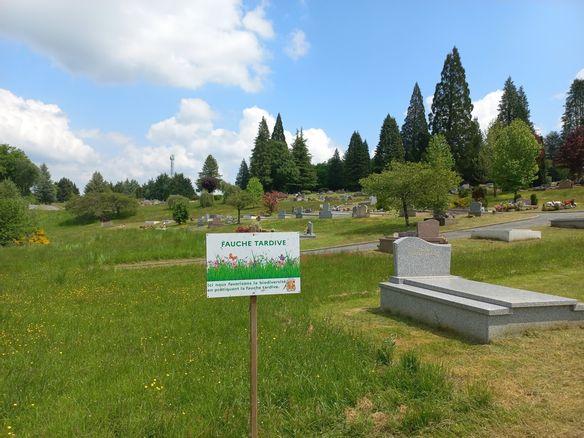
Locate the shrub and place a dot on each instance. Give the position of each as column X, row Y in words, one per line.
column 180, row 213
column 15, row 220
column 480, row 194
column 461, row 203
column 533, row 199
column 206, row 199
column 463, row 193
column 101, row 205
column 253, row 228
column 272, row 199
column 175, row 199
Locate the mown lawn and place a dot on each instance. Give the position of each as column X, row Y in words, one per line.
column 88, row 350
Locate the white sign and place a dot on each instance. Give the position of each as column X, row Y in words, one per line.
column 243, row 264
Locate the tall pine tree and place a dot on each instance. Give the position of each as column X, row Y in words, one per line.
column 301, row 156
column 243, row 175
column 390, row 146
column 452, row 112
column 522, row 111
column 357, row 162
column 574, row 108
column 513, row 105
column 336, row 172
column 44, row 189
column 260, row 163
column 284, row 172
column 414, row 132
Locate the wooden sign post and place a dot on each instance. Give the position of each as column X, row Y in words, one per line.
column 253, row 365
column 252, row 264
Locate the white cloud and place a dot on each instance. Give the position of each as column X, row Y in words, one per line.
column 40, row 129
column 428, row 101
column 184, row 43
column 320, row 145
column 297, row 45
column 580, row 74
column 487, row 108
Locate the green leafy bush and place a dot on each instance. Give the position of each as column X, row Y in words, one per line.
column 206, row 199
column 180, row 213
column 533, row 199
column 15, row 218
column 103, row 205
column 176, row 199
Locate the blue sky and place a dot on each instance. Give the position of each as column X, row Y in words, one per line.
column 119, row 86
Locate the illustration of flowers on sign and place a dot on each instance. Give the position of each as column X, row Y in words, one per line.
column 256, row 266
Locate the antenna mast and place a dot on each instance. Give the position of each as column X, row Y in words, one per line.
column 171, row 166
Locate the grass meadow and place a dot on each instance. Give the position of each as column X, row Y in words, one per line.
column 90, row 350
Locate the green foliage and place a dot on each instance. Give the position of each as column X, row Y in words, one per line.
column 175, row 199
column 301, row 156
column 452, row 113
column 552, row 142
column 44, row 189
column 284, row 170
column 278, row 133
column 533, row 199
column 98, row 184
column 66, row 189
column 441, row 176
column 255, row 190
column 356, row 163
column 401, row 187
column 239, row 199
column 336, row 172
column 515, row 153
column 181, row 185
column 180, row 213
column 574, row 108
column 15, row 218
column 103, row 205
column 16, row 166
column 390, row 147
column 386, row 352
column 243, row 176
column 322, row 175
column 127, row 187
column 210, row 171
column 206, row 199
column 414, row 132
column 260, row 163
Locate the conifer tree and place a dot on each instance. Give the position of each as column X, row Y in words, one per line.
column 357, row 162
column 390, row 147
column 260, row 163
column 284, row 172
column 278, row 133
column 414, row 132
column 44, row 189
column 301, row 156
column 97, row 184
column 243, row 175
column 452, row 111
column 336, row 172
column 522, row 111
column 574, row 108
column 508, row 104
column 552, row 143
column 66, row 189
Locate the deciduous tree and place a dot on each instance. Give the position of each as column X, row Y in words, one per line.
column 17, row 167
column 571, row 153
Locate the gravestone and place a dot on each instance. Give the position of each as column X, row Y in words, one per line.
column 373, row 200
column 282, row 214
column 429, row 229
column 414, row 257
column 360, row 211
column 566, row 184
column 309, row 234
column 229, row 220
column 216, row 222
column 299, row 211
column 510, row 235
column 423, row 289
column 326, row 212
column 475, row 209
column 107, row 224
column 201, row 221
